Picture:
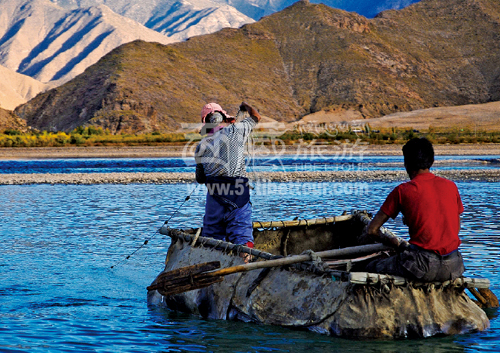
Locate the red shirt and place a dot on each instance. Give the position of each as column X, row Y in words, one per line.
column 431, row 207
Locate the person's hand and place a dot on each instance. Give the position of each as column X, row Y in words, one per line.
column 395, row 242
column 244, row 107
column 246, row 257
column 365, row 237
column 403, row 245
column 391, row 241
column 254, row 114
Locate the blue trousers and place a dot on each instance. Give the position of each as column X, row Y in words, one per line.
column 227, row 223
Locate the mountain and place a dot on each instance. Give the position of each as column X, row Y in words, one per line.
column 19, row 20
column 369, row 8
column 301, row 60
column 65, row 42
column 73, row 34
column 16, row 89
column 178, row 19
column 143, row 10
column 183, row 20
column 9, row 120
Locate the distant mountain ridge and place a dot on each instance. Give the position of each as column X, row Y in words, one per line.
column 178, row 19
column 143, row 10
column 301, row 60
column 68, row 41
column 65, row 42
column 16, row 89
column 51, row 56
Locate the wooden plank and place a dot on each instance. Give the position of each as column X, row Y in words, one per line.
column 473, row 282
column 373, row 278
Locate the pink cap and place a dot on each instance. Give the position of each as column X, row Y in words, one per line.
column 210, row 108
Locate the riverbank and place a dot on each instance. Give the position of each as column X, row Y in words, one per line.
column 187, row 150
column 175, row 178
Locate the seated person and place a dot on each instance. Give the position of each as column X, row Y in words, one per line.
column 431, row 208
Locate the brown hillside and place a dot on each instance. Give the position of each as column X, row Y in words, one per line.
column 8, row 120
column 303, row 59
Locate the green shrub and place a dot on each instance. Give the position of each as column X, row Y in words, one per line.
column 12, row 132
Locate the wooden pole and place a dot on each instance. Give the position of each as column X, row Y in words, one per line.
column 354, row 250
column 193, row 277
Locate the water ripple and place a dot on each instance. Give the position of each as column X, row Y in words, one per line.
column 59, row 294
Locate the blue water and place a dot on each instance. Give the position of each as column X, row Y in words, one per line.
column 279, row 163
column 59, row 294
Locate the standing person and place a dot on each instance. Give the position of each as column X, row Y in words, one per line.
column 431, row 208
column 220, row 165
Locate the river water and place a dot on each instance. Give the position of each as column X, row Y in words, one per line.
column 58, row 292
column 276, row 163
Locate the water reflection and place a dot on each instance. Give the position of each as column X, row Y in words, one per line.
column 223, row 336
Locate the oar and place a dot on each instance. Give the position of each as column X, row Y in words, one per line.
column 485, row 297
column 202, row 275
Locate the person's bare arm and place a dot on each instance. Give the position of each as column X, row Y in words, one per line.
column 377, row 222
column 254, row 114
column 375, row 232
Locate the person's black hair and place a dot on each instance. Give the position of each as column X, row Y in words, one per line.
column 418, row 154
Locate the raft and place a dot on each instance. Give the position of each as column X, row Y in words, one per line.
column 334, row 297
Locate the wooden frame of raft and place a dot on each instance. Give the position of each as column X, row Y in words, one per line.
column 361, row 278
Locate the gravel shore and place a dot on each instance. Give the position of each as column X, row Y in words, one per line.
column 182, row 151
column 174, row 178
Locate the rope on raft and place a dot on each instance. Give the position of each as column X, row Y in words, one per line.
column 215, row 243
column 316, row 262
column 317, row 266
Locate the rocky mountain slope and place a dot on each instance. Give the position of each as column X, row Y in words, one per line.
column 48, row 43
column 16, row 89
column 303, row 59
column 9, row 120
